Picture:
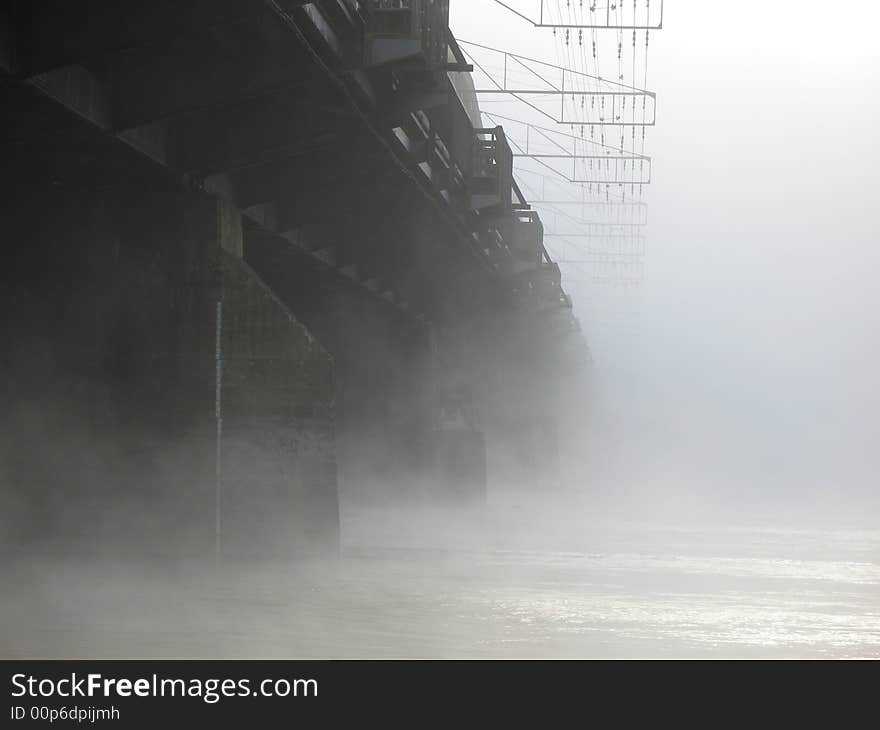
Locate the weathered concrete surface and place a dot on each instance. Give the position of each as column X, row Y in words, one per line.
column 109, row 371
column 278, row 467
column 385, row 386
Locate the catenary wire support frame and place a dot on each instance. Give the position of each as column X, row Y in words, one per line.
column 603, row 22
column 621, row 167
column 553, row 80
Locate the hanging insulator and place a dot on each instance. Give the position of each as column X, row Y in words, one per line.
column 566, row 36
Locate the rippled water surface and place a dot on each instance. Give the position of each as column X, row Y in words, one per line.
column 492, row 586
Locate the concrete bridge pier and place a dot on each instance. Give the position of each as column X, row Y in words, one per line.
column 519, row 376
column 156, row 389
column 385, row 385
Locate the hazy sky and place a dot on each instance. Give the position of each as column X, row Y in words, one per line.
column 748, row 354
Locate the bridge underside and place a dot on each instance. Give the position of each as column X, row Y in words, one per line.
column 227, row 302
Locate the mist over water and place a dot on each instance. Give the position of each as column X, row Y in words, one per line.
column 743, row 381
column 520, row 583
column 719, row 460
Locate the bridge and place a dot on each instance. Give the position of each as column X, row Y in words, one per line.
column 261, row 257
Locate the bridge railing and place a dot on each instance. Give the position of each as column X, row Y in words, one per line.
column 408, row 50
column 491, row 180
column 524, row 235
column 406, row 29
column 548, row 286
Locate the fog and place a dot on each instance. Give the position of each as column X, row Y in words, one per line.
column 740, row 373
column 717, row 491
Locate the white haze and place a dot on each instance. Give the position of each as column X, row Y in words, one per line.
column 738, row 393
column 742, row 375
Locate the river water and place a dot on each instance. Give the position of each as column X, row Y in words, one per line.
column 502, row 584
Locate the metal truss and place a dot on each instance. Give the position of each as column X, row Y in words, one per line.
column 611, row 166
column 615, row 237
column 631, row 215
column 522, row 77
column 614, row 281
column 593, row 228
column 620, row 238
column 536, row 140
column 601, row 258
column 553, row 183
column 607, row 248
column 600, row 17
column 603, row 170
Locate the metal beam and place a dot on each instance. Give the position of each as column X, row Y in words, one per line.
column 613, row 174
column 543, row 72
column 57, row 33
column 601, row 20
column 257, row 132
column 602, row 236
column 213, row 73
column 552, row 80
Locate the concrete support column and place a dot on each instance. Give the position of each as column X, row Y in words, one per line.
column 134, row 328
column 278, row 467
